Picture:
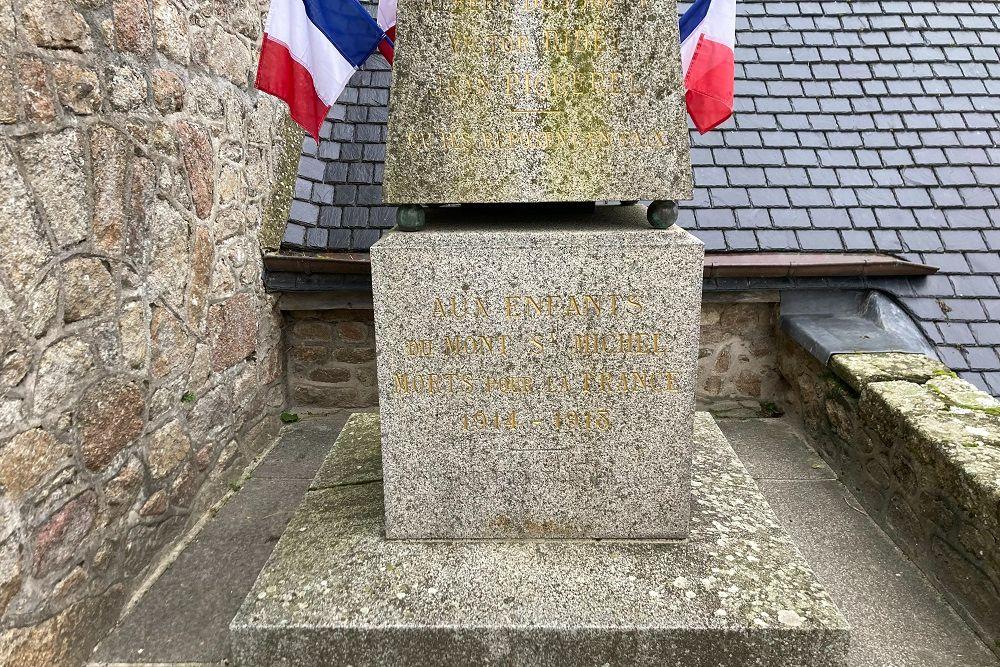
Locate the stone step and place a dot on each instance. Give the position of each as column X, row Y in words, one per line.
column 896, row 616
column 734, row 592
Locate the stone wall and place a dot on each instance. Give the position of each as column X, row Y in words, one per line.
column 140, row 360
column 920, row 449
column 331, row 356
column 738, row 354
column 331, row 359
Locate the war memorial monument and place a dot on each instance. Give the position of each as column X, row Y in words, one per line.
column 548, row 496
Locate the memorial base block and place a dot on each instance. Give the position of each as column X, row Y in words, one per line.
column 735, row 592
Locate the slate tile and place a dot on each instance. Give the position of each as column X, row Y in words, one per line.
column 963, row 240
column 921, row 240
column 981, row 357
column 975, row 286
column 984, row 262
column 964, row 309
column 863, row 217
column 821, row 240
column 304, row 212
column 744, row 176
column 957, row 333
column 953, row 358
column 987, row 333
column 822, row 177
column 950, row 263
column 745, row 240
column 756, row 218
column 294, row 234
column 316, row 237
column 846, row 198
column 858, row 240
column 786, row 176
column 773, row 239
column 354, row 216
column 714, row 240
column 340, row 239
column 968, row 218
column 715, row 218
column 887, row 240
column 330, row 216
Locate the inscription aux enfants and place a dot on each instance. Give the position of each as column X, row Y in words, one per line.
column 636, row 345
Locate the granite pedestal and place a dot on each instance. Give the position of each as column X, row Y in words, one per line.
column 537, row 379
column 337, row 592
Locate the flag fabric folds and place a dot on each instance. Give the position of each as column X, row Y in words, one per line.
column 386, row 17
column 311, row 48
column 708, row 45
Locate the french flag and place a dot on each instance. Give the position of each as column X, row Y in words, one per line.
column 386, row 17
column 708, row 58
column 311, row 48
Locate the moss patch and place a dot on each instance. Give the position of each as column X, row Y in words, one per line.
column 860, row 370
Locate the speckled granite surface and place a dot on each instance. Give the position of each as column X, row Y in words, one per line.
column 532, row 101
column 737, row 592
column 537, row 379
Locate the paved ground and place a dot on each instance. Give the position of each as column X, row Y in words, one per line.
column 184, row 617
column 897, row 617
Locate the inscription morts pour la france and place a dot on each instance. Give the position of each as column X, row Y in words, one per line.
column 536, row 101
column 549, row 392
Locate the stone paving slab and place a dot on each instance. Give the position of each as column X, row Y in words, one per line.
column 774, row 449
column 897, row 618
column 184, row 617
column 737, row 592
column 303, row 446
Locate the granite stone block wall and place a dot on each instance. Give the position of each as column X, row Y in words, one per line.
column 140, row 359
column 738, row 354
column 920, row 448
column 331, row 359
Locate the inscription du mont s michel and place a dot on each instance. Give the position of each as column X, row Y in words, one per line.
column 555, row 337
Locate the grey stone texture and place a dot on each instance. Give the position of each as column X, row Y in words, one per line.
column 536, row 102
column 737, row 592
column 183, row 619
column 331, row 359
column 140, row 356
column 922, row 453
column 897, row 617
column 859, row 127
column 537, row 379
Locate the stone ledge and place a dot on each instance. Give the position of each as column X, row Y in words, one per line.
column 921, row 450
column 335, row 591
column 859, row 370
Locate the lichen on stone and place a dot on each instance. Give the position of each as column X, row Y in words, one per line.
column 859, row 370
column 286, row 166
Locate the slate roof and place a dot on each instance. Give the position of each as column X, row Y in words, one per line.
column 860, row 126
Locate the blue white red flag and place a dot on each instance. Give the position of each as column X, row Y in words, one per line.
column 708, row 57
column 311, row 48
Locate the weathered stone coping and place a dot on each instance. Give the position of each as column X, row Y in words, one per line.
column 335, row 591
column 921, row 449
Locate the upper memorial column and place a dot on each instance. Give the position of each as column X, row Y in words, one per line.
column 537, row 101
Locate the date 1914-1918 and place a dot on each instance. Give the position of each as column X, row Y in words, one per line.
column 569, row 420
